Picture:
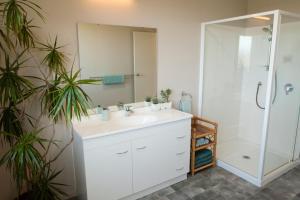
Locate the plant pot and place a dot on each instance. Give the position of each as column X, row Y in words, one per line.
column 167, row 105
column 126, row 113
column 155, row 107
column 99, row 110
column 105, row 115
column 25, row 196
column 147, row 104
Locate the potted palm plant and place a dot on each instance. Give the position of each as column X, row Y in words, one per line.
column 56, row 88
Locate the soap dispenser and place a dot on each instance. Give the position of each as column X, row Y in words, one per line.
column 185, row 104
column 99, row 109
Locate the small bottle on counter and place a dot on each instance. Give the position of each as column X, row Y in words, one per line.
column 105, row 114
column 99, row 109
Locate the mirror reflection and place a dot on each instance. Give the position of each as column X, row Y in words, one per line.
column 122, row 58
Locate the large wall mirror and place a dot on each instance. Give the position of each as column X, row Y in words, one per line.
column 124, row 59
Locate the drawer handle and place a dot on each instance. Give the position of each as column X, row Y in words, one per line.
column 181, row 153
column 181, row 137
column 180, row 169
column 141, row 148
column 122, row 153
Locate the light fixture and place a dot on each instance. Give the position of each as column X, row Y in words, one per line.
column 113, row 2
column 263, row 18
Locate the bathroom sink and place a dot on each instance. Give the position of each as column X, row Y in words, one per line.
column 137, row 120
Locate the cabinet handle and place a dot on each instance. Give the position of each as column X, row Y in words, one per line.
column 181, row 153
column 141, row 148
column 121, row 153
column 180, row 169
column 181, row 137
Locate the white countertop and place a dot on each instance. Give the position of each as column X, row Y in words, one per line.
column 93, row 126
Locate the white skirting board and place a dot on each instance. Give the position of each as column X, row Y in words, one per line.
column 147, row 191
column 155, row 188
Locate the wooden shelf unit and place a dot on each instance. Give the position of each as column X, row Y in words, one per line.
column 202, row 128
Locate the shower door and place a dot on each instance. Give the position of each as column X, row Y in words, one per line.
column 235, row 72
column 283, row 145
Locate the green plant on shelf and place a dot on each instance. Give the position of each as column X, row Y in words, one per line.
column 165, row 95
column 148, row 99
column 155, row 100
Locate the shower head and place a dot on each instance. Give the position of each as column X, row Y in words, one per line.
column 267, row 30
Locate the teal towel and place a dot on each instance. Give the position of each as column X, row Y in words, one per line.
column 203, row 159
column 203, row 153
column 111, row 80
column 200, row 164
column 206, row 160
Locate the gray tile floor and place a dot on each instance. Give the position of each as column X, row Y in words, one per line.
column 218, row 184
column 215, row 184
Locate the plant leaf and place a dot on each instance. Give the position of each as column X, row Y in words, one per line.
column 12, row 85
column 70, row 100
column 23, row 156
column 54, row 59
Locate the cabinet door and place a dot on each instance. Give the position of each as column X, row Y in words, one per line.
column 150, row 162
column 108, row 172
column 162, row 156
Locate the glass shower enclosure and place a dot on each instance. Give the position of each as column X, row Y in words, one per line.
column 250, row 85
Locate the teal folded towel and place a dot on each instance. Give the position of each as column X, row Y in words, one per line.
column 205, row 162
column 203, row 159
column 111, row 80
column 203, row 153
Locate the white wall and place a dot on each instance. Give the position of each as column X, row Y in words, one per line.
column 178, row 25
column 255, row 6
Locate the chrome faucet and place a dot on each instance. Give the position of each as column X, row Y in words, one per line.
column 128, row 109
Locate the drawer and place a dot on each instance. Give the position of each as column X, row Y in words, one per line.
column 181, row 164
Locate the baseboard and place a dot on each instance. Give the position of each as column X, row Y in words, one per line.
column 155, row 188
column 147, row 191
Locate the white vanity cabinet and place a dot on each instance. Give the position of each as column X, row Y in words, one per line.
column 132, row 163
column 108, row 171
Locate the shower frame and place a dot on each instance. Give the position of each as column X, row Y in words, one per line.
column 261, row 179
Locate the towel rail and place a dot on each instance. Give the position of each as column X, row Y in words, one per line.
column 128, row 76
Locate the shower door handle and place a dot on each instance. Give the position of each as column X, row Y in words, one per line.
column 288, row 88
column 259, row 84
